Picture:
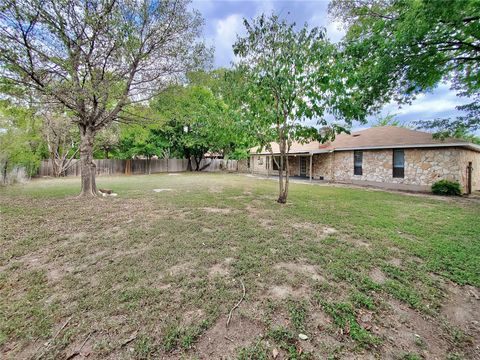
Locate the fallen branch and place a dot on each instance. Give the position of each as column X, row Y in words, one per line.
column 237, row 304
column 130, row 339
column 47, row 344
column 77, row 352
column 227, row 338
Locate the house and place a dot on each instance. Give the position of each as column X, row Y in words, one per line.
column 387, row 156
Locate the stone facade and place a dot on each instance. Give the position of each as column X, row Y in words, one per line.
column 322, row 167
column 262, row 164
column 422, row 167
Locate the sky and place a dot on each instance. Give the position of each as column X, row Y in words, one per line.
column 224, row 22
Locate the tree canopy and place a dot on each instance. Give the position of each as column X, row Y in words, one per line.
column 294, row 74
column 97, row 57
column 404, row 47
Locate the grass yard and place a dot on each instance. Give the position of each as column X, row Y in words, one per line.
column 363, row 274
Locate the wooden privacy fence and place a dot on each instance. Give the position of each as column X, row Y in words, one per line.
column 143, row 166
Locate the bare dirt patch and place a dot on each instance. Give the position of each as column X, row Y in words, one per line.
column 220, row 269
column 406, row 331
column 281, row 292
column 357, row 242
column 321, row 231
column 302, row 269
column 321, row 341
column 395, row 262
column 378, row 276
column 462, row 309
column 182, row 268
column 262, row 216
column 220, row 342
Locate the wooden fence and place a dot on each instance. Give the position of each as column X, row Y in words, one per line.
column 141, row 166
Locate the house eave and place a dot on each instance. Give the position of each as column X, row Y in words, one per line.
column 411, row 146
column 469, row 146
column 299, row 153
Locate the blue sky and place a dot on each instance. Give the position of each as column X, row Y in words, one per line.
column 224, row 20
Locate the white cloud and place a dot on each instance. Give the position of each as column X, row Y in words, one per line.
column 226, row 31
column 264, row 7
column 439, row 102
column 204, row 6
column 335, row 32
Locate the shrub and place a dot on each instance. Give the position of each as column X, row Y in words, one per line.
column 446, row 187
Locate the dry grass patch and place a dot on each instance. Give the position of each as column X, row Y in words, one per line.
column 147, row 275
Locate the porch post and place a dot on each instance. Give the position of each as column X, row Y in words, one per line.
column 311, row 158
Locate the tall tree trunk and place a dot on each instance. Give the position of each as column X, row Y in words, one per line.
column 54, row 165
column 283, row 180
column 87, row 165
column 189, row 158
column 198, row 160
column 281, row 193
column 4, row 173
column 287, row 178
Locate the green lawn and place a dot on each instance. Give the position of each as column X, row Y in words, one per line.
column 149, row 274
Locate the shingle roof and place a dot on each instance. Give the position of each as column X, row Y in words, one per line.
column 381, row 137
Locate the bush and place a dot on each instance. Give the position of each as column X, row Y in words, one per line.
column 446, row 187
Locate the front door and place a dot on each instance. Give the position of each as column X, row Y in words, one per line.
column 303, row 166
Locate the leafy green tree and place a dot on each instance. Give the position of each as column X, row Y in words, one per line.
column 404, row 47
column 107, row 141
column 20, row 139
column 195, row 122
column 293, row 75
column 61, row 139
column 388, row 120
column 226, row 85
column 97, row 57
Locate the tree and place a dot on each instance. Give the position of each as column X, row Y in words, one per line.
column 293, row 75
column 20, row 139
column 226, row 86
column 388, row 120
column 61, row 140
column 96, row 57
column 404, row 47
column 196, row 121
column 137, row 140
column 107, row 140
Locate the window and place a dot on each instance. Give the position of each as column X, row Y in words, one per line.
column 357, row 162
column 276, row 163
column 398, row 163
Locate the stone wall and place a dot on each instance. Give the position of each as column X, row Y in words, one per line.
column 322, row 166
column 263, row 165
column 423, row 167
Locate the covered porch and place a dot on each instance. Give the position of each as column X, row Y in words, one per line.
column 302, row 165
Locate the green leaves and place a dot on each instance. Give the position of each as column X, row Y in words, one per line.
column 293, row 74
column 402, row 48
